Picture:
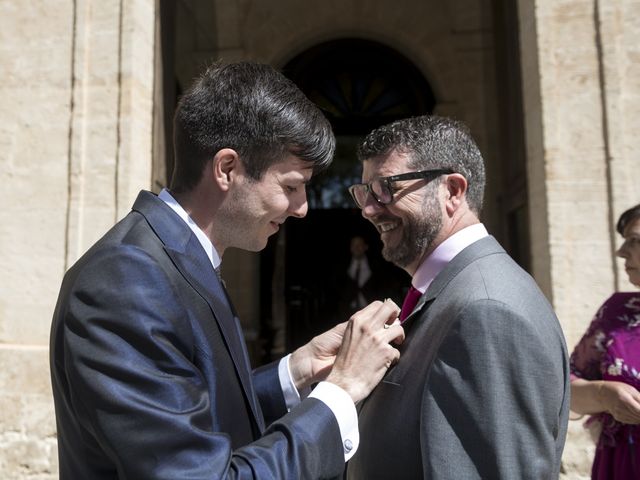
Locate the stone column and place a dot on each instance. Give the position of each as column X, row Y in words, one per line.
column 111, row 115
column 581, row 99
column 75, row 147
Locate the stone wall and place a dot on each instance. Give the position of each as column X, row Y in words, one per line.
column 75, row 147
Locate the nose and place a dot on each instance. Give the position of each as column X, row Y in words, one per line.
column 371, row 207
column 299, row 206
column 622, row 251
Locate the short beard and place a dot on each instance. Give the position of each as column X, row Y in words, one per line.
column 418, row 234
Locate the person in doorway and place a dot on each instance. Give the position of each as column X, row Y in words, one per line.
column 361, row 282
column 150, row 373
column 363, row 278
column 605, row 369
column 482, row 387
column 357, row 281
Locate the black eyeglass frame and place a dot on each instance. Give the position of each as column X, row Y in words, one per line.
column 387, row 181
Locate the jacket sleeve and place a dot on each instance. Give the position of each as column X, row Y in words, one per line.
column 493, row 404
column 141, row 398
column 267, row 384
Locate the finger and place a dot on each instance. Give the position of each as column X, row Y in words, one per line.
column 632, row 403
column 387, row 313
column 628, row 419
column 390, row 303
column 633, row 412
column 395, row 355
column 390, row 356
column 394, row 333
column 339, row 328
column 394, row 321
column 376, row 313
column 368, row 310
column 627, row 411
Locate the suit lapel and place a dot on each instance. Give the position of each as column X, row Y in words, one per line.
column 483, row 247
column 193, row 263
column 423, row 303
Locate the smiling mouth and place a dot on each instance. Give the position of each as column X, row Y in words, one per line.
column 385, row 227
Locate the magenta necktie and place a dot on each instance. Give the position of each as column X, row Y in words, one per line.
column 409, row 302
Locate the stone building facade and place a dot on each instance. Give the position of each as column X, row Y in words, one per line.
column 550, row 88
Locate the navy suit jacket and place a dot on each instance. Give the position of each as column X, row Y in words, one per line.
column 150, row 373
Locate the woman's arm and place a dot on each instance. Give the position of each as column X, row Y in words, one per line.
column 622, row 401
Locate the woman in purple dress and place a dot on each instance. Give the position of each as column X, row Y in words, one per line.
column 605, row 369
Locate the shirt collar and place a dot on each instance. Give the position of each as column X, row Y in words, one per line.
column 210, row 250
column 444, row 253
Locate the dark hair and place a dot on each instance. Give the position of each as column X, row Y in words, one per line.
column 628, row 216
column 253, row 109
column 431, row 142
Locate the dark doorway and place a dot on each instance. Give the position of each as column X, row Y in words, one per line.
column 318, row 290
column 360, row 85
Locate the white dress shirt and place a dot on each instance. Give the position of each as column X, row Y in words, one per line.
column 338, row 401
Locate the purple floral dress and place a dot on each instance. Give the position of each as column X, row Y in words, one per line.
column 610, row 350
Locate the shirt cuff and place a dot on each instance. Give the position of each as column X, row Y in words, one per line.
column 344, row 409
column 291, row 395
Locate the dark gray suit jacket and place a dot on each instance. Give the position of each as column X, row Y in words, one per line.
column 150, row 374
column 482, row 387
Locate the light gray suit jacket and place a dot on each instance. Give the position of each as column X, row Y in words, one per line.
column 482, row 386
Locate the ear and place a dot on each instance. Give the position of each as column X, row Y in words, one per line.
column 225, row 166
column 456, row 186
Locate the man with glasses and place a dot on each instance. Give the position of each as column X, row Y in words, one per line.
column 481, row 390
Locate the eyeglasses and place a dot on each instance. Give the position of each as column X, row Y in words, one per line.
column 381, row 189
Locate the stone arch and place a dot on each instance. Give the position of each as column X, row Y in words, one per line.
column 425, row 61
column 361, row 83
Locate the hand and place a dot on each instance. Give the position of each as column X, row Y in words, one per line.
column 312, row 362
column 365, row 353
column 621, row 400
